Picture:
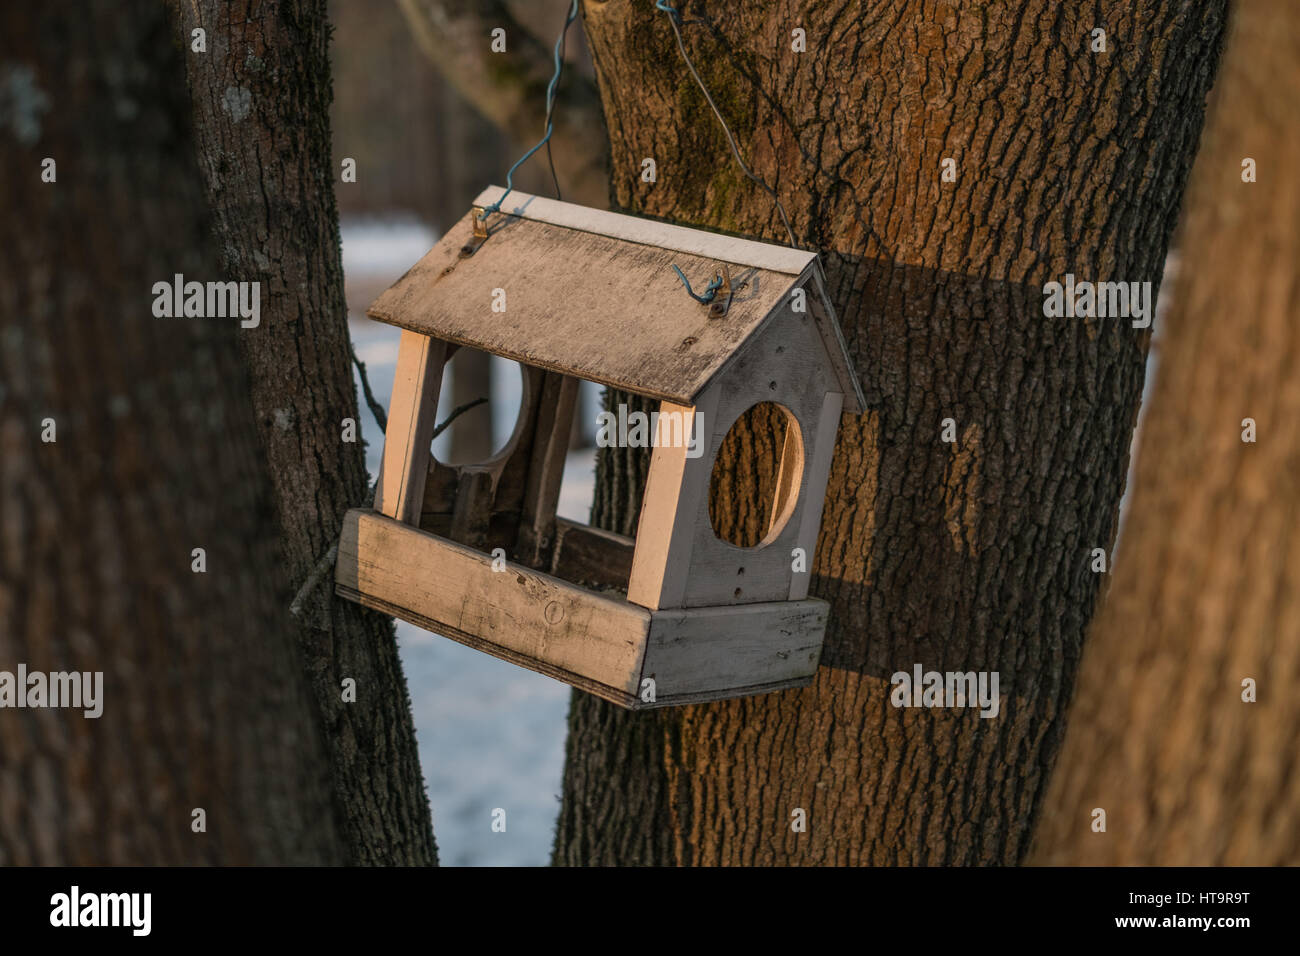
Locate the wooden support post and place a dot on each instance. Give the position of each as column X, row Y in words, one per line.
column 819, row 471
column 546, row 470
column 472, row 515
column 676, row 493
column 411, row 420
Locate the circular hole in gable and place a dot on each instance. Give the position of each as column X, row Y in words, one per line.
column 749, row 499
column 483, row 431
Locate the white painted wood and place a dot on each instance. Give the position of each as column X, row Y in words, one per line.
column 676, row 485
column 521, row 615
column 411, row 421
column 696, row 242
column 809, row 521
column 717, row 652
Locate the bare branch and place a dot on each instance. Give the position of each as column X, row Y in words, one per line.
column 456, row 413
column 510, row 88
column 381, row 417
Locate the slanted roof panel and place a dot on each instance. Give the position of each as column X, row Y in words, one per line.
column 605, row 308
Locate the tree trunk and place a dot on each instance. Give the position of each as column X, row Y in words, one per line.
column 973, row 556
column 126, row 442
column 1207, row 580
column 261, row 96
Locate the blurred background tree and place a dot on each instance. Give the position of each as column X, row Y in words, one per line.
column 150, row 453
column 1187, row 723
column 261, row 93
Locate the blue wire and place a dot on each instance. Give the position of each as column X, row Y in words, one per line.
column 663, row 5
column 550, row 125
column 709, row 294
column 711, row 291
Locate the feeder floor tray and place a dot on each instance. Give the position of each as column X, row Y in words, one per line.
column 603, row 645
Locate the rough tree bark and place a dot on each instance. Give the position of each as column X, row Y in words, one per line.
column 510, row 88
column 261, row 97
column 1207, row 580
column 973, row 556
column 154, row 454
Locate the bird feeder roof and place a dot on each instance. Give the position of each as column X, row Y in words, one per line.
column 592, row 294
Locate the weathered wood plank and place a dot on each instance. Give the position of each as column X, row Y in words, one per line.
column 604, row 646
column 580, row 304
column 509, row 466
column 785, row 364
column 828, row 325
column 808, row 521
column 587, row 555
column 697, row 242
column 554, row 421
column 411, row 420
column 472, row 515
column 677, row 488
column 521, row 615
column 712, row 653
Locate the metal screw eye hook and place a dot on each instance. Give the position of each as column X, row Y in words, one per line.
column 722, row 300
column 480, row 234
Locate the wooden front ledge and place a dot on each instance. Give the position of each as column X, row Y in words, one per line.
column 599, row 643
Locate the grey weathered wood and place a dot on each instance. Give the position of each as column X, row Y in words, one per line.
column 808, row 520
column 822, row 308
column 587, row 555
column 411, row 414
column 510, row 466
column 679, row 561
column 608, row 309
column 716, row 652
column 603, row 645
column 546, row 469
column 460, row 497
column 782, row 367
column 472, row 514
column 519, row 614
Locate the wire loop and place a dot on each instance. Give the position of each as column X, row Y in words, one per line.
column 550, row 109
column 709, row 293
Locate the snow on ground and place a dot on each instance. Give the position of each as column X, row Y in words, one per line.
column 491, row 735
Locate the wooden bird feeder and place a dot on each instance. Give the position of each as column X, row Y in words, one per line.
column 675, row 615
